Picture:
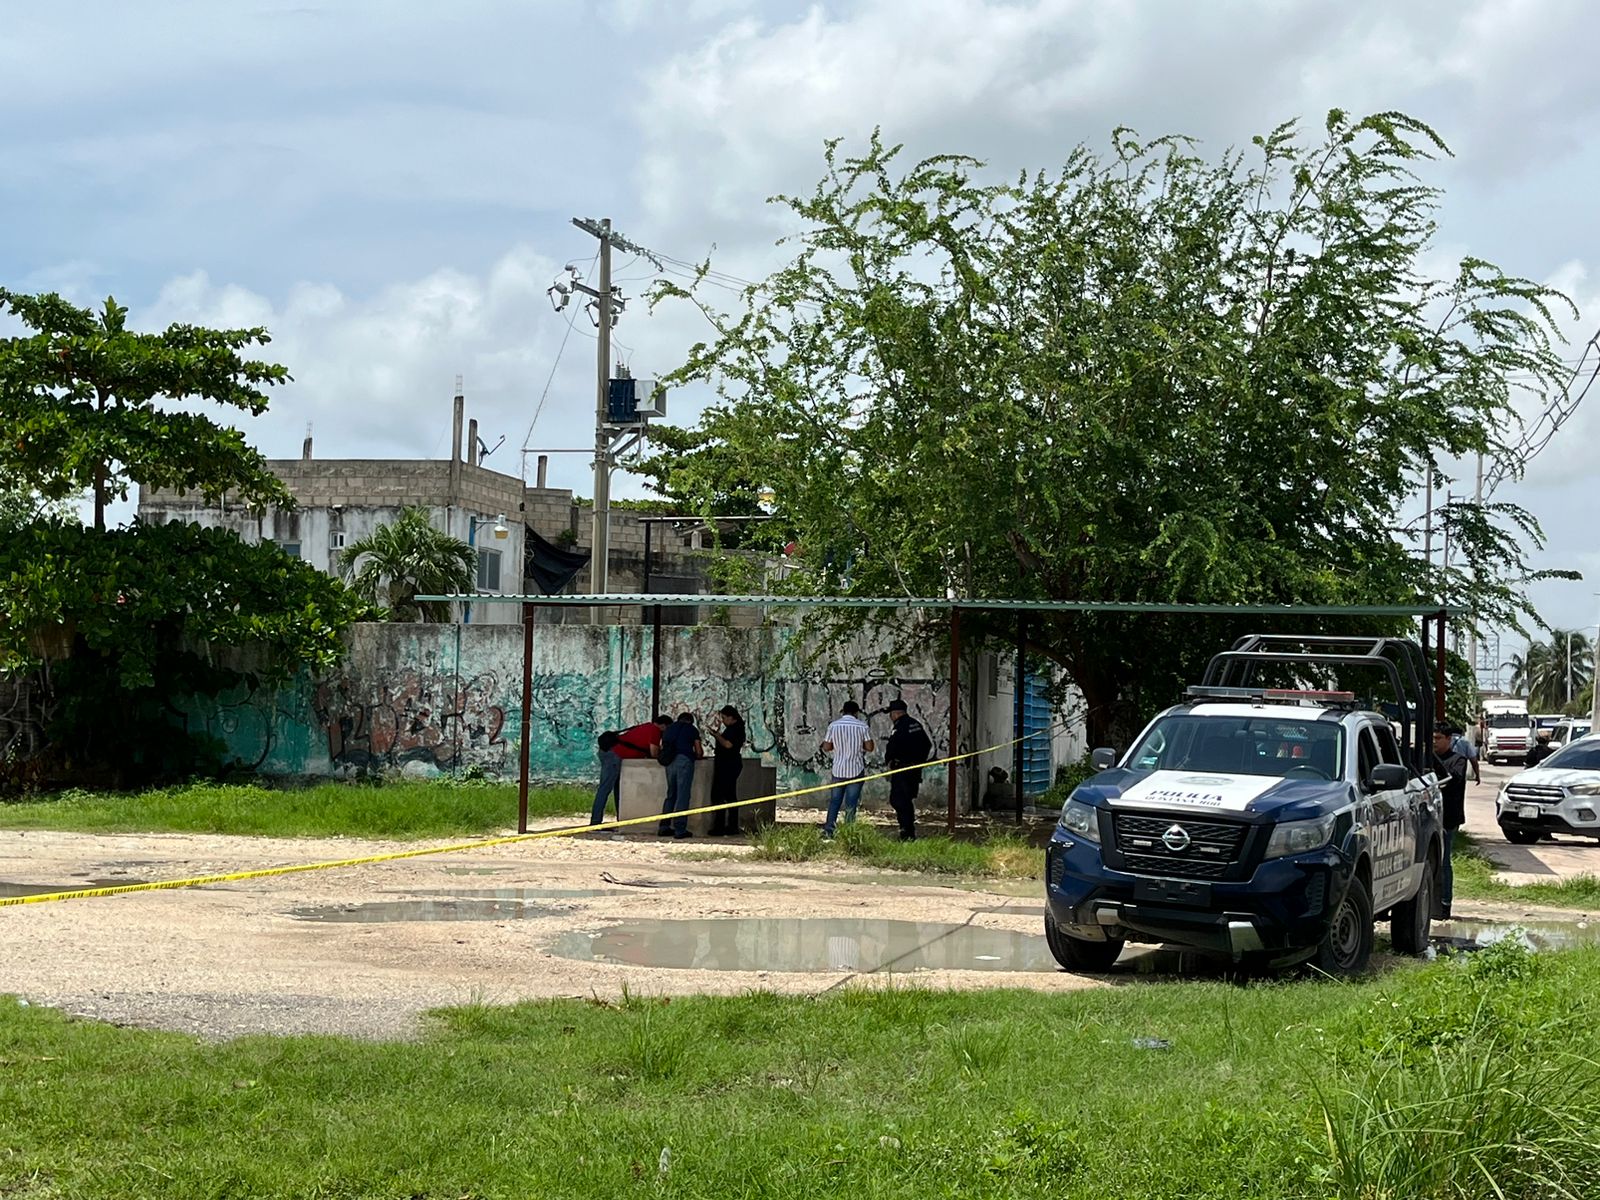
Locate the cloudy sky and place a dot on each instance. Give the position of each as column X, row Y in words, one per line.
column 389, row 185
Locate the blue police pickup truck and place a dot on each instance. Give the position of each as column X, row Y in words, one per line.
column 1262, row 820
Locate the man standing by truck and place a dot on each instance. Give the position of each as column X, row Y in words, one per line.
column 1451, row 768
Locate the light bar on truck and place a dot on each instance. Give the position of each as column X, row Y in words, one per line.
column 1308, row 694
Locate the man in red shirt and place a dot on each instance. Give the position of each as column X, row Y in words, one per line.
column 641, row 741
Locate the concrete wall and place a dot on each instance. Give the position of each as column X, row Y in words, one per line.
column 340, row 501
column 430, row 699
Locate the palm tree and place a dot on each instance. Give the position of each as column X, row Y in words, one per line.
column 406, row 558
column 1543, row 672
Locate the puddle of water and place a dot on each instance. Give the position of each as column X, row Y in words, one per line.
column 507, row 894
column 794, row 944
column 1464, row 933
column 386, row 911
column 9, row 889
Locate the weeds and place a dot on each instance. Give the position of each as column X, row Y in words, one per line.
column 1000, row 854
column 1465, row 1122
column 1289, row 1092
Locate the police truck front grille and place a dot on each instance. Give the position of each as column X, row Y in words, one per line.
column 1151, row 845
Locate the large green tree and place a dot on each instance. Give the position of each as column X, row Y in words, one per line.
column 82, row 398
column 118, row 627
column 1146, row 376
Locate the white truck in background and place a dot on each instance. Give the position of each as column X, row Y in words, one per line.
column 1507, row 729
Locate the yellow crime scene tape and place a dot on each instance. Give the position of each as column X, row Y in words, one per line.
column 508, row 840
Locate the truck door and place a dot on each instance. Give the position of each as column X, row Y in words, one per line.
column 1391, row 830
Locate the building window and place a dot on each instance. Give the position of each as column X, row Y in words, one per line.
column 337, row 539
column 488, row 570
column 292, row 549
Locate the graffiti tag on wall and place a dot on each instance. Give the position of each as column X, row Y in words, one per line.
column 440, row 719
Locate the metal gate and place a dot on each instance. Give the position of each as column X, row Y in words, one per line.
column 1036, row 718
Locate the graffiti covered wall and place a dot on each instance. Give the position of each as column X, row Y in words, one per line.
column 437, row 699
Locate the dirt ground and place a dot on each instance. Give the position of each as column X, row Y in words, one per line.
column 239, row 958
column 307, row 953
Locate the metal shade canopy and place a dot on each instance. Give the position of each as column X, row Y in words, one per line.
column 1116, row 606
column 1432, row 614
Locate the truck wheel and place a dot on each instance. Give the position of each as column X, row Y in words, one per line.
column 1347, row 946
column 1075, row 954
column 1411, row 921
column 1520, row 837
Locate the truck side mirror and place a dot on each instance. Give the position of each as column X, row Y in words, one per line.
column 1103, row 758
column 1388, row 777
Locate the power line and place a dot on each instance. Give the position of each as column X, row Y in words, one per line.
column 539, row 408
column 1556, row 414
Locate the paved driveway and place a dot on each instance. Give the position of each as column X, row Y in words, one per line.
column 1543, row 862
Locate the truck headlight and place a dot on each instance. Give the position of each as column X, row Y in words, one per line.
column 1081, row 819
column 1299, row 837
column 1585, row 789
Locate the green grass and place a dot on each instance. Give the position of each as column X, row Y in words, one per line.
column 1474, row 880
column 1000, row 855
column 393, row 810
column 1411, row 1086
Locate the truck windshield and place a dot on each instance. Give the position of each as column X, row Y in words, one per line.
column 1508, row 721
column 1253, row 745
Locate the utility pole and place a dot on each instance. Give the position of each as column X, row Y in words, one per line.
column 600, row 540
column 1594, row 715
column 607, row 306
column 1472, row 623
column 1427, row 520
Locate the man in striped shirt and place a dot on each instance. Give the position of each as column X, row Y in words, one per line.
column 849, row 740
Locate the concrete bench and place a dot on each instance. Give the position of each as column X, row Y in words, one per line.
column 644, row 789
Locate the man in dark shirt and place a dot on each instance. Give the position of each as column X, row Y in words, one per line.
column 683, row 739
column 909, row 746
column 728, row 738
column 1539, row 751
column 1451, row 768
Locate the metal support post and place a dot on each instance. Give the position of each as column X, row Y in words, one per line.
column 600, row 540
column 1017, row 682
column 527, row 717
column 1440, row 675
column 955, row 715
column 655, row 628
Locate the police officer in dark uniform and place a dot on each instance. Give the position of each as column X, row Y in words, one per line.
column 909, row 746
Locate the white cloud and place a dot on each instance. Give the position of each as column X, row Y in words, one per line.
column 375, row 374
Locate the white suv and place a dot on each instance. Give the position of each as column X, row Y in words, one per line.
column 1560, row 795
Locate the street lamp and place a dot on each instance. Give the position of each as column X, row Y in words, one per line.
column 501, row 532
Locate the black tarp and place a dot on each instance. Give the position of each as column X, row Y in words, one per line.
column 552, row 567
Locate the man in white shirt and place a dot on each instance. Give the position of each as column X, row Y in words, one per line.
column 849, row 741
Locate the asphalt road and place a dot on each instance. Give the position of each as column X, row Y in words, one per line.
column 1543, row 862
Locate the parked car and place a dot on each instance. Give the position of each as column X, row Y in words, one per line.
column 1560, row 795
column 1569, row 729
column 1258, row 823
